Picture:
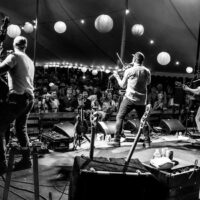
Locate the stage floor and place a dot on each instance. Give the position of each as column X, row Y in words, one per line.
column 53, row 165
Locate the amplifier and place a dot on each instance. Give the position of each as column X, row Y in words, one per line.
column 103, row 179
column 56, row 141
column 182, row 183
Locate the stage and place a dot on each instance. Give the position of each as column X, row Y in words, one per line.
column 55, row 167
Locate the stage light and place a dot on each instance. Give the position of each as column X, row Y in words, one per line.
column 151, row 42
column 84, row 69
column 94, row 72
column 177, row 63
column 127, row 11
column 82, row 21
column 107, row 71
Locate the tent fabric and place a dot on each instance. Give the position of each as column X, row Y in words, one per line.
column 172, row 24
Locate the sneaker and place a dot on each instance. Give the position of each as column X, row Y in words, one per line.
column 22, row 164
column 114, row 142
column 3, row 168
column 147, row 144
column 122, row 139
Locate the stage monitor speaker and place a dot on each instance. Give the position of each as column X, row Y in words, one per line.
column 106, row 127
column 65, row 128
column 132, row 125
column 103, row 179
column 170, row 126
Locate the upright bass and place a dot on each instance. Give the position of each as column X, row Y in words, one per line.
column 3, row 83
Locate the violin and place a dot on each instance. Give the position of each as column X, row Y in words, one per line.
column 125, row 65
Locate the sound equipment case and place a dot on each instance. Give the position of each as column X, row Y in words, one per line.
column 104, row 179
column 56, row 141
column 182, row 183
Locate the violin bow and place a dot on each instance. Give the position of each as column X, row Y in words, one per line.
column 120, row 60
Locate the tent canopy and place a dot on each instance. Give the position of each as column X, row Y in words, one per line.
column 172, row 24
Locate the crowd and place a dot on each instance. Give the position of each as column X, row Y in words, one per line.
column 63, row 91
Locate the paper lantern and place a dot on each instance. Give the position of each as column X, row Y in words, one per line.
column 163, row 58
column 189, row 70
column 137, row 29
column 84, row 69
column 94, row 72
column 60, row 27
column 28, row 27
column 13, row 30
column 103, row 23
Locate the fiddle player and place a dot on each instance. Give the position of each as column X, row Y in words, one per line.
column 135, row 79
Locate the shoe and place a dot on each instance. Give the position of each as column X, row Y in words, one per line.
column 114, row 142
column 147, row 144
column 122, row 139
column 22, row 164
column 3, row 168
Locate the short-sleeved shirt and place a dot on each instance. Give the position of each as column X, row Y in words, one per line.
column 136, row 79
column 21, row 74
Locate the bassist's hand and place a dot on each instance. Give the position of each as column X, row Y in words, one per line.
column 185, row 87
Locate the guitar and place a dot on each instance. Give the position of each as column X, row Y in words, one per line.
column 81, row 128
column 3, row 84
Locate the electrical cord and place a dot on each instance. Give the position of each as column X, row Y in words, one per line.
column 23, row 189
column 28, row 183
column 63, row 192
column 14, row 193
column 57, row 189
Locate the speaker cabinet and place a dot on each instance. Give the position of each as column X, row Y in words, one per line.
column 132, row 125
column 65, row 128
column 103, row 179
column 170, row 126
column 106, row 127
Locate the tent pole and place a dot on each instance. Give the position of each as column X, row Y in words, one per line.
column 123, row 39
column 196, row 69
column 36, row 32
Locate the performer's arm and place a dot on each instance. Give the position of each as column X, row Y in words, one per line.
column 195, row 91
column 7, row 64
column 122, row 83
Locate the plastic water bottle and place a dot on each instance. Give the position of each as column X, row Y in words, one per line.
column 157, row 154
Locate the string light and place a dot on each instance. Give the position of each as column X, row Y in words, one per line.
column 127, row 11
column 151, row 42
column 79, row 66
column 82, row 21
column 177, row 63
